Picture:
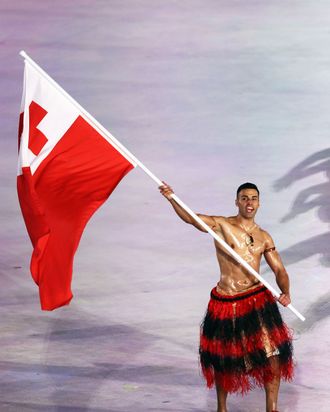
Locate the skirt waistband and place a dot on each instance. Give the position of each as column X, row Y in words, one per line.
column 239, row 296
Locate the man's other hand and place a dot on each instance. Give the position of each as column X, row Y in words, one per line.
column 166, row 190
column 284, row 299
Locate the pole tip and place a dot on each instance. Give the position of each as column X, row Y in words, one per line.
column 22, row 53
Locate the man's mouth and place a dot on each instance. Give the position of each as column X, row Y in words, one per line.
column 249, row 209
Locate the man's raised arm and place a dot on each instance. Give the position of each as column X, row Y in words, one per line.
column 166, row 191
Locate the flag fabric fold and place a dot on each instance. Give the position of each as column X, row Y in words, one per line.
column 67, row 169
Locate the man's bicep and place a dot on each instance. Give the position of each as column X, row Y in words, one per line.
column 273, row 259
column 269, row 244
column 272, row 256
column 270, row 252
column 208, row 220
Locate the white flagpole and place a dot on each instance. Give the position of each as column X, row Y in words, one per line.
column 106, row 134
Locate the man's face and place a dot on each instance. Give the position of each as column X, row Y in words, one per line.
column 248, row 203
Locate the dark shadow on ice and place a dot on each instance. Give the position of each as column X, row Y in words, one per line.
column 35, row 407
column 317, row 311
column 120, row 371
column 95, row 353
column 315, row 163
column 313, row 197
column 77, row 346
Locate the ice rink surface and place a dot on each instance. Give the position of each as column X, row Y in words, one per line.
column 208, row 94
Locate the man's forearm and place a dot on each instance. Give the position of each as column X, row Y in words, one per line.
column 282, row 279
column 181, row 212
column 167, row 191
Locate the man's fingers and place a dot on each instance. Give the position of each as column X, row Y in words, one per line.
column 284, row 300
column 166, row 190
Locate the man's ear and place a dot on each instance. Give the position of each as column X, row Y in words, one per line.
column 236, row 202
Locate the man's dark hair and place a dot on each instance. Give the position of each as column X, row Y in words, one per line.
column 247, row 185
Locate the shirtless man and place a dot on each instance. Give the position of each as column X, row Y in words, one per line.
column 237, row 358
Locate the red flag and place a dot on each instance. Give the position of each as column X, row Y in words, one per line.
column 68, row 167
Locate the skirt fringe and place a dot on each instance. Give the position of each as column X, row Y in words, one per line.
column 239, row 335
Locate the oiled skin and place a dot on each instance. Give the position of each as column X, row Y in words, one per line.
column 236, row 231
column 233, row 277
column 251, row 243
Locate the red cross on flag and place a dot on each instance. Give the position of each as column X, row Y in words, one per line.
column 68, row 166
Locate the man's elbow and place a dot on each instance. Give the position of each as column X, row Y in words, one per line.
column 198, row 226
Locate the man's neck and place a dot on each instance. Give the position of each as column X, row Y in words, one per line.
column 245, row 221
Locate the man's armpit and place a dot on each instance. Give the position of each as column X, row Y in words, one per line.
column 208, row 220
column 219, row 221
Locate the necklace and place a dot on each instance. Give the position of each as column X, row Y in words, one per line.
column 249, row 238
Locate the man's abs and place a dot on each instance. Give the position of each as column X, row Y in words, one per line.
column 233, row 277
column 230, row 284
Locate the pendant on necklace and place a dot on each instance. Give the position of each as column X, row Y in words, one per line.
column 249, row 240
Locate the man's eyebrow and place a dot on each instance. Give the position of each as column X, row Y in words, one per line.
column 253, row 197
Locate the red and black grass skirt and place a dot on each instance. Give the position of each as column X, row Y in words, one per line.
column 239, row 335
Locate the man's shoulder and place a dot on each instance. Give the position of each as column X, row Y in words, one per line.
column 264, row 232
column 228, row 219
column 224, row 219
column 268, row 240
column 224, row 222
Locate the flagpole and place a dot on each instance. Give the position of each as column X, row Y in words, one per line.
column 108, row 136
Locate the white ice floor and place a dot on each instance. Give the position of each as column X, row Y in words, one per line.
column 209, row 94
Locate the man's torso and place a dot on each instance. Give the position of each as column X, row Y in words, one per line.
column 234, row 278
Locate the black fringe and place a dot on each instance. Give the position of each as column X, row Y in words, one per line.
column 254, row 360
column 247, row 325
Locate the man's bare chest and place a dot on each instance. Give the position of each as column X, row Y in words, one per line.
column 244, row 242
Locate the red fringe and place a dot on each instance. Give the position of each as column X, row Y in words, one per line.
column 244, row 382
column 246, row 345
column 226, row 309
